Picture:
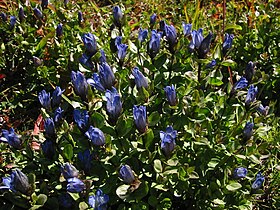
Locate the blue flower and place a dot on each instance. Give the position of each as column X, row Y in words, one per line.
column 12, row 138
column 96, row 136
column 6, row 181
column 3, row 16
column 140, row 118
column 85, row 159
column 85, row 60
column 205, row 46
column 257, row 184
column 37, row 61
column 240, row 172
column 211, row 64
column 126, row 174
column 59, row 30
column 162, row 25
column 250, row 71
column 171, row 36
column 248, row 131
column 90, row 43
column 95, row 82
column 48, row 148
column 153, row 19
column 154, row 44
column 168, row 140
column 81, row 118
column 122, row 48
column 102, row 58
column 114, row 104
column 38, row 14
column 171, row 95
column 106, row 75
column 44, row 3
column 80, row 17
column 58, row 115
column 19, row 182
column 49, row 127
column 251, row 95
column 98, row 201
column 66, row 201
column 140, row 80
column 118, row 15
column 21, row 14
column 13, row 21
column 45, row 99
column 142, row 35
column 240, row 84
column 75, row 185
column 197, row 39
column 56, row 96
column 227, row 42
column 69, row 171
column 118, row 41
column 263, row 110
column 80, row 84
column 187, row 29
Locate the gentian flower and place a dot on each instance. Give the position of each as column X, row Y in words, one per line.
column 106, row 75
column 95, row 82
column 171, row 36
column 56, row 96
column 197, row 39
column 227, row 42
column 69, row 171
column 114, row 104
column 80, row 84
column 257, row 184
column 168, row 140
column 13, row 21
column 81, row 118
column 140, row 80
column 263, row 110
column 251, row 95
column 12, row 138
column 102, row 58
column 44, row 3
column 6, row 181
column 90, row 44
column 118, row 41
column 126, row 174
column 142, row 35
column 21, row 14
column 250, row 71
column 153, row 19
column 80, row 17
column 85, row 60
column 59, row 30
column 240, row 172
column 240, row 84
column 45, row 99
column 154, row 44
column 205, row 46
column 171, row 95
column 122, row 48
column 96, row 136
column 118, row 16
column 66, row 201
column 49, row 127
column 75, row 185
column 58, row 115
column 248, row 131
column 211, row 64
column 38, row 14
column 187, row 29
column 85, row 160
column 162, row 25
column 48, row 149
column 98, row 201
column 3, row 16
column 37, row 61
column 140, row 118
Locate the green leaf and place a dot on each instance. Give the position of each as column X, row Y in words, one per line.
column 157, row 166
column 44, row 41
column 97, row 119
column 41, row 199
column 233, row 26
column 149, row 137
column 160, row 61
column 215, row 81
column 229, row 62
column 233, row 186
column 124, row 126
column 68, row 151
column 154, row 118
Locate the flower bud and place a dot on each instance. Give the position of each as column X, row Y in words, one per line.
column 85, row 160
column 95, row 82
column 240, row 173
column 263, row 110
column 197, row 39
column 98, row 201
column 102, row 58
column 227, row 42
column 45, row 99
column 96, row 136
column 69, row 171
column 19, row 182
column 122, row 48
column 114, row 104
column 90, row 44
column 37, row 61
column 248, row 131
column 250, row 71
column 153, row 19
column 171, row 36
column 75, row 185
column 38, row 14
column 187, row 29
column 85, row 60
column 240, row 84
column 80, row 84
column 140, row 118
column 58, row 115
column 80, row 17
column 171, row 95
column 44, row 3
column 211, row 64
column 154, row 44
column 81, row 118
column 56, row 96
column 3, row 16
column 257, row 184
column 126, row 174
column 142, row 35
column 106, row 75
column 168, row 140
column 49, row 127
column 251, row 95
column 59, row 30
column 118, row 16
column 48, row 149
column 21, row 14
column 13, row 21
column 140, row 80
column 12, row 138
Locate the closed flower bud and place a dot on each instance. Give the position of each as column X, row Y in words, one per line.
column 122, row 48
column 227, row 42
column 81, row 118
column 75, row 185
column 98, row 201
column 153, row 19
column 197, row 39
column 19, row 182
column 80, row 17
column 114, row 104
column 56, row 96
column 95, row 82
column 102, row 58
column 250, row 71
column 80, row 84
column 118, row 16
column 187, row 29
column 251, row 95
column 162, row 25
column 263, row 110
column 248, row 131
column 240, row 84
column 48, row 149
column 96, row 136
column 171, row 36
column 58, row 115
column 171, row 95
column 168, row 140
column 45, row 99
column 140, row 80
column 37, row 61
column 140, row 118
column 38, row 14
column 3, row 16
column 142, row 35
column 69, row 171
column 126, row 174
column 257, row 184
column 12, row 138
column 205, row 46
column 13, row 21
column 21, row 14
column 240, row 173
column 49, row 127
column 44, row 3
column 59, row 30
column 90, row 44
column 211, row 64
column 85, row 60
column 85, row 160
column 106, row 75
column 154, row 44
